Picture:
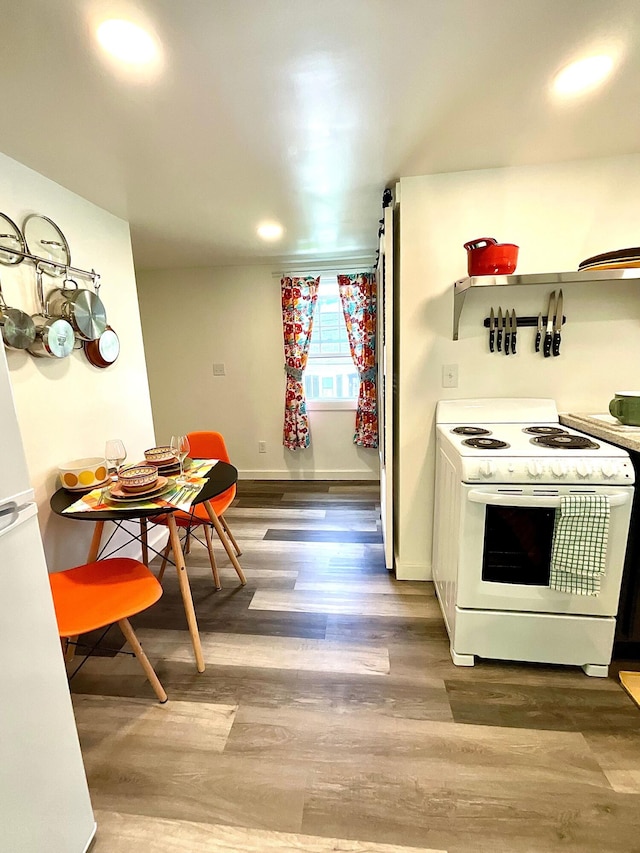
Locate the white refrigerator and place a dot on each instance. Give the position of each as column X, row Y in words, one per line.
column 44, row 798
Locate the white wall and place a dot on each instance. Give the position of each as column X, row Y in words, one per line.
column 194, row 317
column 558, row 215
column 66, row 407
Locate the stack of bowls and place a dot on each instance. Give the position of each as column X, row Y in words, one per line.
column 138, row 478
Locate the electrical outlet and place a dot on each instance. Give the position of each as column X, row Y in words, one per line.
column 218, row 369
column 449, row 375
column 262, row 447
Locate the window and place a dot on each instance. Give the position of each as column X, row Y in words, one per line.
column 330, row 379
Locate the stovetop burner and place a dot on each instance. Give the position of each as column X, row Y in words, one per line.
column 471, row 430
column 565, row 442
column 544, row 430
column 485, row 443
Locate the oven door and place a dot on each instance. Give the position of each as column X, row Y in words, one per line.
column 506, row 535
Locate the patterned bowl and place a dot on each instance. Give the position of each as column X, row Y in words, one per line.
column 82, row 474
column 137, row 477
column 159, row 455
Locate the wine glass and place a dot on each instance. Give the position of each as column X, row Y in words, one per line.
column 180, row 448
column 115, row 453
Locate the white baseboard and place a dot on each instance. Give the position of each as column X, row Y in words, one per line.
column 413, row 571
column 286, row 474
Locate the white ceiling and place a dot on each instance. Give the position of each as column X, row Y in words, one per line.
column 301, row 110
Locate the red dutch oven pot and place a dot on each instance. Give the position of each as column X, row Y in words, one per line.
column 485, row 256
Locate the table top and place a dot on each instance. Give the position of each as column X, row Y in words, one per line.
column 222, row 476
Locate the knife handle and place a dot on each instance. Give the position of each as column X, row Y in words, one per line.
column 507, row 341
column 556, row 343
column 499, row 340
column 514, row 336
column 492, row 335
column 538, row 339
column 546, row 351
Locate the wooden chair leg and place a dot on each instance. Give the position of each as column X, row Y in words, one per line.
column 212, row 557
column 225, row 542
column 165, row 557
column 127, row 630
column 230, row 535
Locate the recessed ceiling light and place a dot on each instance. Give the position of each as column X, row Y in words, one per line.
column 583, row 75
column 127, row 42
column 270, row 231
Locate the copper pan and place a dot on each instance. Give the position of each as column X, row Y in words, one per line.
column 104, row 350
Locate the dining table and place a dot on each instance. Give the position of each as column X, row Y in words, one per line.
column 220, row 477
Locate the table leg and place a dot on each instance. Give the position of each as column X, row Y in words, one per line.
column 94, row 548
column 185, row 590
column 227, row 547
column 143, row 539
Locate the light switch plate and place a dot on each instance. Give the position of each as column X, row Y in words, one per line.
column 218, row 369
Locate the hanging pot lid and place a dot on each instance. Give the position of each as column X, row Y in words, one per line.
column 55, row 335
column 11, row 238
column 45, row 240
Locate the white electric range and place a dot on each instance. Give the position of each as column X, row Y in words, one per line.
column 502, row 467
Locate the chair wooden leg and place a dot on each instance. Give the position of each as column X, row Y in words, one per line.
column 225, row 542
column 165, row 557
column 127, row 630
column 230, row 535
column 212, row 557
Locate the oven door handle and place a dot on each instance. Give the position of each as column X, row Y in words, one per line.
column 545, row 501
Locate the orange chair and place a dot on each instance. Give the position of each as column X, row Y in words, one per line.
column 207, row 445
column 98, row 594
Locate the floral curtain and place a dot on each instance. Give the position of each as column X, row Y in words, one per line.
column 299, row 297
column 359, row 304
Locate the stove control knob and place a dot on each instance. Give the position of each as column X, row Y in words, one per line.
column 609, row 469
column 559, row 469
column 535, row 469
column 583, row 469
column 486, row 468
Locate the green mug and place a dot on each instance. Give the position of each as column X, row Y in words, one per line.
column 625, row 406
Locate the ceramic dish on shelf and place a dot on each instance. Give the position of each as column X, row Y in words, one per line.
column 117, row 493
column 45, row 240
column 11, row 238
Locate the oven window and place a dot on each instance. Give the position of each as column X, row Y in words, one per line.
column 517, row 545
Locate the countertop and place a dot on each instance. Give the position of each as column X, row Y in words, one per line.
column 605, row 427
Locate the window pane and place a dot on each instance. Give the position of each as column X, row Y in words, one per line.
column 330, row 373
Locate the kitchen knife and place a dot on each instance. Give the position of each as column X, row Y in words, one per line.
column 557, row 325
column 548, row 337
column 500, row 328
column 507, row 333
column 514, row 330
column 539, row 333
column 492, row 330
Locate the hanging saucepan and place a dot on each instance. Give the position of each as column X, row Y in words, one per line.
column 18, row 329
column 54, row 336
column 105, row 350
column 82, row 308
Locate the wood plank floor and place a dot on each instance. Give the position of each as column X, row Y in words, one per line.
column 330, row 716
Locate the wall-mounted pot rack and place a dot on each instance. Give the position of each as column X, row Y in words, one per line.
column 43, row 263
column 463, row 285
